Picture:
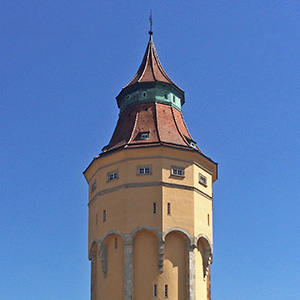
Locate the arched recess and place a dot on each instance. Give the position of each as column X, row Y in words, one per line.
column 176, row 263
column 111, row 232
column 205, row 247
column 111, row 282
column 93, row 258
column 181, row 230
column 145, row 258
column 161, row 248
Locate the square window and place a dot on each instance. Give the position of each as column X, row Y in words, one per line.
column 177, row 171
column 203, row 180
column 112, row 175
column 143, row 170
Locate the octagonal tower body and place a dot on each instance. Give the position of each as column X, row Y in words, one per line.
column 150, row 198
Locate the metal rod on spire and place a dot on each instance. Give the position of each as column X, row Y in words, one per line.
column 151, row 22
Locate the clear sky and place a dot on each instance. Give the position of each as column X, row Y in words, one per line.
column 61, row 65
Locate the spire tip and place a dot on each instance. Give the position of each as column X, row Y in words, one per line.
column 151, row 22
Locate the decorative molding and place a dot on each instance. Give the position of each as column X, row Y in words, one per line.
column 183, row 231
column 128, row 267
column 91, row 252
column 147, row 184
column 205, row 247
column 111, row 232
column 206, row 238
column 191, row 273
column 161, row 255
column 103, row 258
column 161, row 245
column 201, row 242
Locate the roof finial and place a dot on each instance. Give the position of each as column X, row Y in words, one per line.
column 150, row 19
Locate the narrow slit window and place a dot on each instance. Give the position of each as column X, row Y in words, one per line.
column 169, row 208
column 116, row 243
column 166, row 291
column 96, row 219
column 93, row 186
column 154, row 208
column 208, row 220
column 155, row 290
column 104, row 215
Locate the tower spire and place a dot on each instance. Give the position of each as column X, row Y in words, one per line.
column 151, row 23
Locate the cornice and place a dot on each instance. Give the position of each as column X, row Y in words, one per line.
column 149, row 184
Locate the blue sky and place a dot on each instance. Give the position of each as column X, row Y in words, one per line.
column 61, row 65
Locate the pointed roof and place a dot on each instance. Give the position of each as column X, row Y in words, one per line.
column 150, row 69
column 163, row 123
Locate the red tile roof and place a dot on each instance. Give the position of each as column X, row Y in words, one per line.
column 150, row 69
column 164, row 123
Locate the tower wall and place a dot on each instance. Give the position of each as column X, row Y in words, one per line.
column 169, row 246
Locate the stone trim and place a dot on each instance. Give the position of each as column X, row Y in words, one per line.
column 201, row 235
column 191, row 273
column 183, row 231
column 111, row 232
column 91, row 254
column 147, row 184
column 201, row 242
column 93, row 259
column 161, row 244
column 103, row 258
column 161, row 254
column 128, row 267
column 206, row 251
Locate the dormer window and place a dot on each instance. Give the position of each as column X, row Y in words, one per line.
column 144, row 135
column 191, row 142
column 166, row 95
column 144, row 94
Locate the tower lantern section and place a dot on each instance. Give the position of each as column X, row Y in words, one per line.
column 150, row 197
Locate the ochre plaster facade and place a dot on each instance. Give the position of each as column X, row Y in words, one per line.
column 150, row 201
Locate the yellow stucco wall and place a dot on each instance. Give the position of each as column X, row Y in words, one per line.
column 112, row 285
column 145, row 270
column 128, row 202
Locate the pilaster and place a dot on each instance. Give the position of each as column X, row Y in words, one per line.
column 128, row 268
column 191, row 273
